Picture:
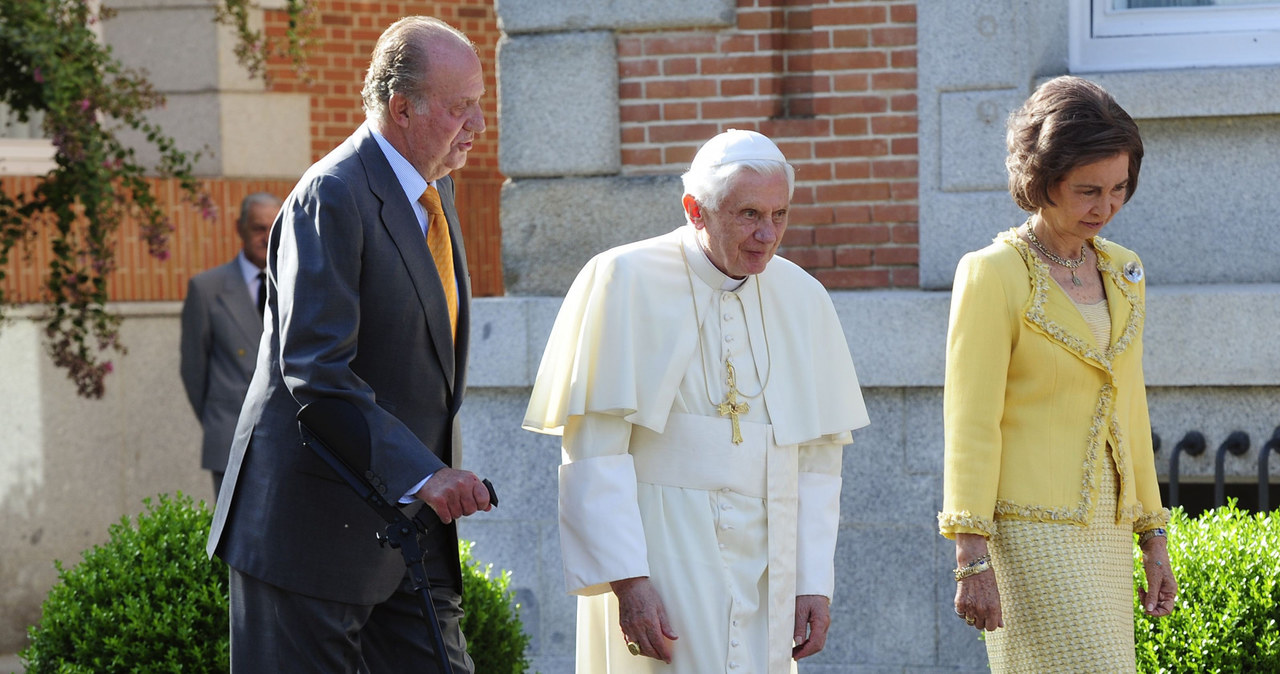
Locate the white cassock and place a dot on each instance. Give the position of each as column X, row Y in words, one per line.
column 651, row 483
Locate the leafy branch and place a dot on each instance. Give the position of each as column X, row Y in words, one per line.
column 253, row 49
column 53, row 67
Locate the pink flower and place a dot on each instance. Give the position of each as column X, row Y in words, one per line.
column 84, row 105
column 38, row 76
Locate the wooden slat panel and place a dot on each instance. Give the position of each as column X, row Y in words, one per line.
column 197, row 243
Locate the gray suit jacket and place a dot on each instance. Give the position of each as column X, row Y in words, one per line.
column 355, row 310
column 220, row 334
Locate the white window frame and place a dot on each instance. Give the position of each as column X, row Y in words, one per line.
column 26, row 157
column 1103, row 39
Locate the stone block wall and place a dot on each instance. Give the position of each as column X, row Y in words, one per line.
column 833, row 83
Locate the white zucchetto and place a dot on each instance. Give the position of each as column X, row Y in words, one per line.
column 735, row 145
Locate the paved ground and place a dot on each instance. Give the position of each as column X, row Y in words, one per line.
column 10, row 664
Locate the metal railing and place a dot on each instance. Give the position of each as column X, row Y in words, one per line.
column 1237, row 443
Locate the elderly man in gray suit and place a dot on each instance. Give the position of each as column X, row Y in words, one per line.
column 221, row 328
column 368, row 303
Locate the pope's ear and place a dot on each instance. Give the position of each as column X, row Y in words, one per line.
column 692, row 209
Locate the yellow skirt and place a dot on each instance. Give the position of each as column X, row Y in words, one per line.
column 1066, row 592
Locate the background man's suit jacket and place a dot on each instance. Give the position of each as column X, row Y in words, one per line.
column 355, row 310
column 220, row 334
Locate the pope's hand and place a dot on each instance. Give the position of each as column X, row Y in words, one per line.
column 643, row 618
column 454, row 493
column 813, row 617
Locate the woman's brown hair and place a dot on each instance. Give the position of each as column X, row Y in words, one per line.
column 1066, row 123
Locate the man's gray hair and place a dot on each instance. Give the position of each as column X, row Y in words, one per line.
column 257, row 199
column 399, row 64
column 709, row 185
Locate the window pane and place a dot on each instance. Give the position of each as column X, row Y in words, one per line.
column 1148, row 4
column 10, row 127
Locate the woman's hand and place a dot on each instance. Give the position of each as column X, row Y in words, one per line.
column 1157, row 599
column 977, row 597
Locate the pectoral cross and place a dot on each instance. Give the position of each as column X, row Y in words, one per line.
column 731, row 407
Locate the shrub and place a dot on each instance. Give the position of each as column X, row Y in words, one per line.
column 1227, row 563
column 151, row 600
column 491, row 623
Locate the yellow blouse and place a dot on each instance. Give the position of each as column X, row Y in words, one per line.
column 1031, row 400
column 1099, row 319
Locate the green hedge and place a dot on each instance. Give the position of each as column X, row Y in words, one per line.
column 150, row 600
column 1226, row 618
column 495, row 639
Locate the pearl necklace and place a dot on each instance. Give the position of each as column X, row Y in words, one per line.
column 1071, row 265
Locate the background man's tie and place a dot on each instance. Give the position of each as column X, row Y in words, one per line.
column 441, row 251
column 262, row 293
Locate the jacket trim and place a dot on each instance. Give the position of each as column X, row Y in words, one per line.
column 1151, row 521
column 1035, row 310
column 957, row 522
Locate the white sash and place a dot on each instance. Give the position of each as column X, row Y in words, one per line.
column 695, row 452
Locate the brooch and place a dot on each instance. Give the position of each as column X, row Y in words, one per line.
column 1133, row 272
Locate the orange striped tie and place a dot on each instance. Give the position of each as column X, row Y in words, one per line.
column 441, row 251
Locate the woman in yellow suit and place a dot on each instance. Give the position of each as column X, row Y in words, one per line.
column 1049, row 466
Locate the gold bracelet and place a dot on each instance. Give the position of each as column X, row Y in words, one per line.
column 973, row 568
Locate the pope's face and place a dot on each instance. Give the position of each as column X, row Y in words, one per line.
column 439, row 137
column 742, row 234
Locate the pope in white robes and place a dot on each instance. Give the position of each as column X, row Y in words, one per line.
column 705, row 392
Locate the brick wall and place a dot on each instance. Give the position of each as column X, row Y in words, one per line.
column 833, row 83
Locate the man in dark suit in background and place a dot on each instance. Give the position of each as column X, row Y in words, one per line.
column 221, row 328
column 359, row 309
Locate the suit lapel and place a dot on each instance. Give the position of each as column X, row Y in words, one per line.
column 234, row 295
column 1122, row 300
column 401, row 224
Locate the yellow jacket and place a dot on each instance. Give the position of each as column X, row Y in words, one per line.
column 1031, row 403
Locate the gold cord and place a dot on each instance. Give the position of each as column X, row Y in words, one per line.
column 702, row 355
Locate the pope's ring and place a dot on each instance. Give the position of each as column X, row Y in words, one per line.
column 633, row 647
column 970, row 620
